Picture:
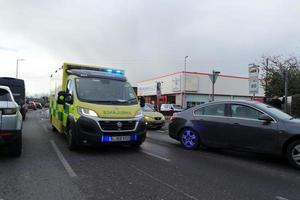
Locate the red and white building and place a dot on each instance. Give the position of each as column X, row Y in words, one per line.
column 194, row 88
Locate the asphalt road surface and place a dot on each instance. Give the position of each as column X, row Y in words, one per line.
column 161, row 169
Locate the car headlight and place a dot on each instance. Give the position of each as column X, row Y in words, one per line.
column 9, row 111
column 139, row 114
column 86, row 112
column 147, row 118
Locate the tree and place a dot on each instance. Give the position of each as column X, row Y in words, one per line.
column 273, row 69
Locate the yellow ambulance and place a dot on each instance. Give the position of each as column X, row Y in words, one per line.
column 94, row 105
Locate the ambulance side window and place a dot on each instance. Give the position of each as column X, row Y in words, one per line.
column 69, row 87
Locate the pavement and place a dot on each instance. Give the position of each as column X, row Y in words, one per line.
column 161, row 169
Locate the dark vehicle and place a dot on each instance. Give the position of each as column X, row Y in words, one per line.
column 32, row 105
column 17, row 87
column 38, row 105
column 241, row 125
column 46, row 105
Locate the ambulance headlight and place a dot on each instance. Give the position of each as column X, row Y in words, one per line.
column 139, row 114
column 86, row 112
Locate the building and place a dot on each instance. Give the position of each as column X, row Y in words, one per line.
column 193, row 88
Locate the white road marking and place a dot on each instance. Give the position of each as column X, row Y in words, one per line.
column 281, row 198
column 62, row 159
column 161, row 131
column 156, row 156
column 45, row 128
column 164, row 183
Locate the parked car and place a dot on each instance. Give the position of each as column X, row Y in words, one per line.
column 38, row 105
column 153, row 119
column 151, row 106
column 31, row 105
column 171, row 107
column 244, row 125
column 10, row 122
column 46, row 105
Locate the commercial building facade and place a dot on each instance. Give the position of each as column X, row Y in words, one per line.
column 193, row 88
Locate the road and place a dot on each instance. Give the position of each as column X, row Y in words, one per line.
column 160, row 170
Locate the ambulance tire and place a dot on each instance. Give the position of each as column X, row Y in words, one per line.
column 72, row 137
column 137, row 145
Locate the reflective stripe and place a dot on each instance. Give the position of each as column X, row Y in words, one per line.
column 66, row 108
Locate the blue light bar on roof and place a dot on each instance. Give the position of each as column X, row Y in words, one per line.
column 113, row 71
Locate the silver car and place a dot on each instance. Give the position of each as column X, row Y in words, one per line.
column 10, row 123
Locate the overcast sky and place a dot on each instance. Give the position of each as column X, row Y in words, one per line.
column 147, row 38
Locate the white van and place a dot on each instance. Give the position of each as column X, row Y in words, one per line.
column 171, row 107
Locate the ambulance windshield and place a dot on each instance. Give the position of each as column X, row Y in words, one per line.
column 105, row 91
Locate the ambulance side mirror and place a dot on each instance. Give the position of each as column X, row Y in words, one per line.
column 64, row 97
column 142, row 102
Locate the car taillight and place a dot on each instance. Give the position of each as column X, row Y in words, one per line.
column 9, row 111
column 3, row 134
column 173, row 118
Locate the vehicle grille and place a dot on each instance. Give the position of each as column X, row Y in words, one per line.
column 115, row 125
column 157, row 118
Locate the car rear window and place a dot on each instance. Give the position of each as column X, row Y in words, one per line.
column 4, row 95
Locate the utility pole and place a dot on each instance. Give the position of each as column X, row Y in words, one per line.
column 285, row 74
column 17, row 67
column 184, row 88
column 267, row 74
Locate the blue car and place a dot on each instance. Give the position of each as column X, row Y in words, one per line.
column 242, row 125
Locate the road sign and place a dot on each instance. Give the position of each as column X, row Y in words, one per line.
column 213, row 77
column 253, row 85
column 253, row 79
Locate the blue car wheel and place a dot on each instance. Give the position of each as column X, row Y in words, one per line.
column 189, row 139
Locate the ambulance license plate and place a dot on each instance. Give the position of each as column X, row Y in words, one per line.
column 120, row 138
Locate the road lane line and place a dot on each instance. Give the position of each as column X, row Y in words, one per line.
column 161, row 131
column 62, row 159
column 281, row 198
column 164, row 183
column 156, row 156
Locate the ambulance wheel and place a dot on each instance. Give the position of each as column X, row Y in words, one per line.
column 72, row 138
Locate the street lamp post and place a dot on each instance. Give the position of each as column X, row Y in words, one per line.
column 285, row 75
column 213, row 77
column 17, row 67
column 184, row 89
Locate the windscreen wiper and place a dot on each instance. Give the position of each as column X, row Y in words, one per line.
column 106, row 101
column 131, row 100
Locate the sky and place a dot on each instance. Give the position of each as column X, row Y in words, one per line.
column 146, row 38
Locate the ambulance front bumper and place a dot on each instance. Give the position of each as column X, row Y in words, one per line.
column 99, row 131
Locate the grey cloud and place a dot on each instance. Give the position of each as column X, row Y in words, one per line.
column 150, row 38
column 2, row 48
